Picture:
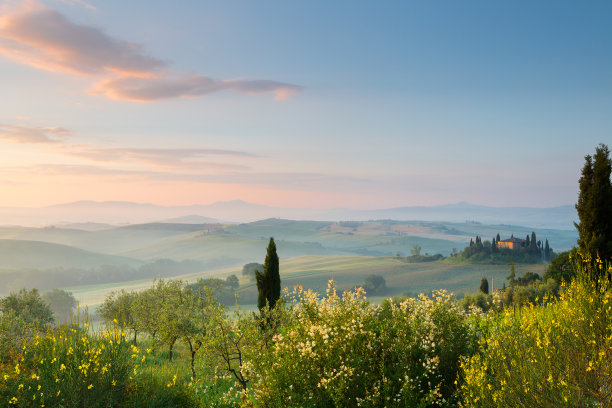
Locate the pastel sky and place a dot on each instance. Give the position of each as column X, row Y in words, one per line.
column 302, row 104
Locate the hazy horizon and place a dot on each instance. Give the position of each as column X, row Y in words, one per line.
column 237, row 211
column 238, row 200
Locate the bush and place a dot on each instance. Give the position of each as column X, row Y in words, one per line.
column 67, row 367
column 375, row 285
column 480, row 300
column 345, row 352
column 556, row 355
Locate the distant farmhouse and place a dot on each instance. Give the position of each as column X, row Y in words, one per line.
column 511, row 243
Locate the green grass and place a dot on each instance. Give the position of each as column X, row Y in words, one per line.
column 314, row 272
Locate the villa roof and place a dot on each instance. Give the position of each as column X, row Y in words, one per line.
column 516, row 240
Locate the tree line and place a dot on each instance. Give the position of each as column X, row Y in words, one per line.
column 528, row 250
column 62, row 277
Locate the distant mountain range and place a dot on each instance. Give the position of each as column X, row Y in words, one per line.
column 91, row 214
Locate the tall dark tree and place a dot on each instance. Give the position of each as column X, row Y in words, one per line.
column 484, row 286
column 547, row 251
column 268, row 282
column 595, row 205
column 512, row 277
column 497, row 238
column 533, row 245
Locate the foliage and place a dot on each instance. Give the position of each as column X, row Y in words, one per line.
column 230, row 340
column 482, row 301
column 117, row 308
column 424, row 258
column 512, row 276
column 172, row 315
column 479, row 251
column 561, row 269
column 199, row 308
column 67, row 367
column 556, row 355
column 232, row 282
column 528, row 278
column 531, row 294
column 223, row 290
column 28, row 306
column 146, row 310
column 342, row 351
column 268, row 282
column 484, row 286
column 375, row 285
column 70, row 276
column 155, row 392
column 249, row 269
column 595, row 206
column 62, row 303
column 13, row 331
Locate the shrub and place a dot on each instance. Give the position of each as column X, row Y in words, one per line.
column 67, row 367
column 556, row 355
column 484, row 302
column 345, row 352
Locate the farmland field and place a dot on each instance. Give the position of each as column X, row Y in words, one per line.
column 314, row 272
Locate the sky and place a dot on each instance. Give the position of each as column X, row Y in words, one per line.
column 311, row 104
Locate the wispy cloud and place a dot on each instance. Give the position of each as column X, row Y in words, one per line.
column 150, row 89
column 33, row 134
column 303, row 181
column 81, row 3
column 181, row 159
column 186, row 158
column 35, row 35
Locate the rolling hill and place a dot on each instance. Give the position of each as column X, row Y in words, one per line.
column 19, row 254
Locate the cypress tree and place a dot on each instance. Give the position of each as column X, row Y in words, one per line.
column 484, row 286
column 497, row 238
column 268, row 282
column 512, row 277
column 533, row 244
column 594, row 205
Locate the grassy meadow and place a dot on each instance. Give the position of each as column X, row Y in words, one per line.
column 314, row 272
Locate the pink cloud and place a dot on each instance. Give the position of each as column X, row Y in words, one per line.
column 32, row 134
column 37, row 36
column 43, row 38
column 151, row 89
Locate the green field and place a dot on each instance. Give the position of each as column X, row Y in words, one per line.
column 314, row 272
